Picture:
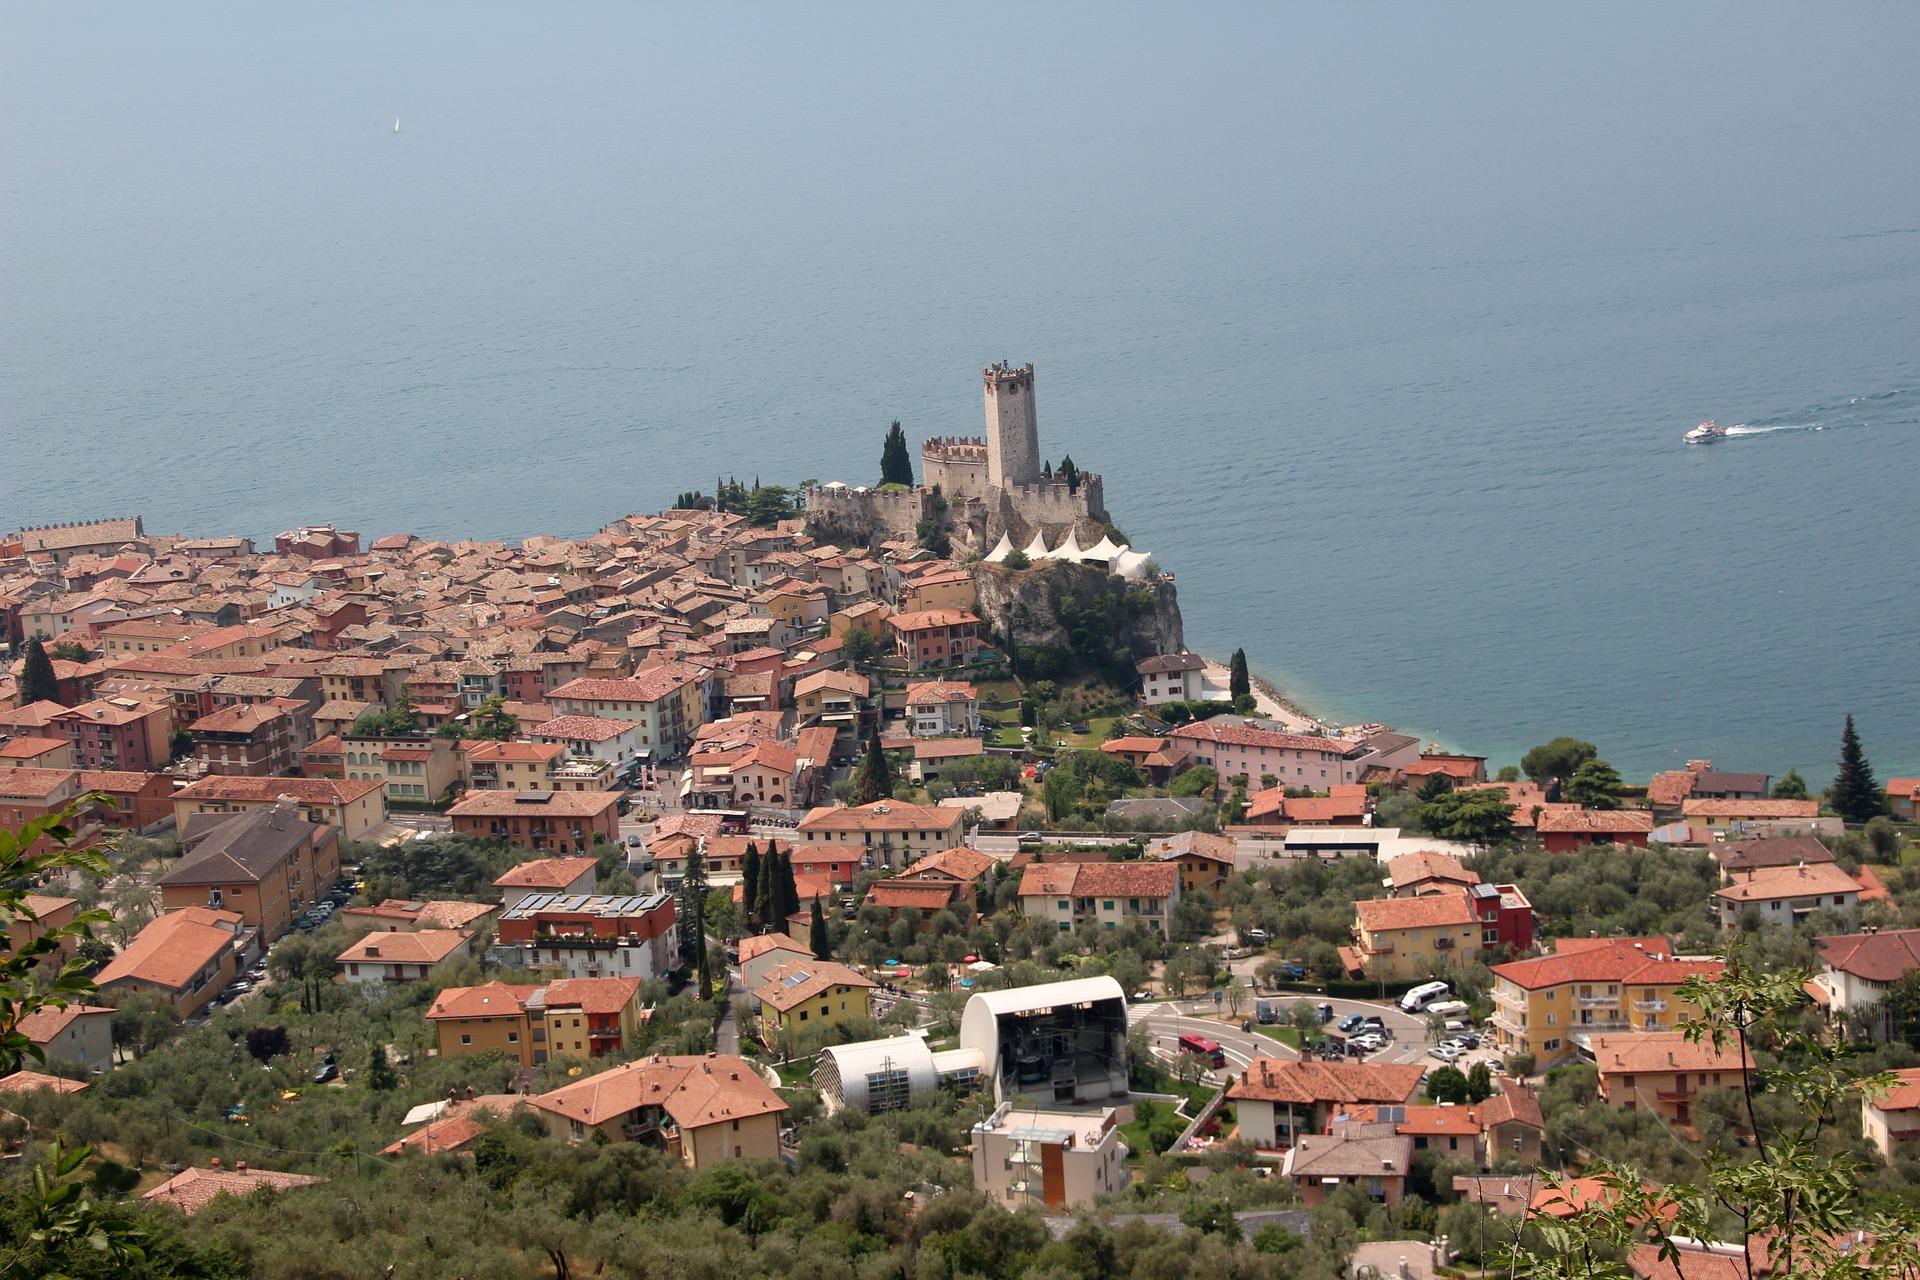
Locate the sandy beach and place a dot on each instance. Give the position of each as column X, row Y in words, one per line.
column 1267, row 701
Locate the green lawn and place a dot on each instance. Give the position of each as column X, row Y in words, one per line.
column 1289, row 1036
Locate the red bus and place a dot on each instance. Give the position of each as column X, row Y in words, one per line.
column 1204, row 1047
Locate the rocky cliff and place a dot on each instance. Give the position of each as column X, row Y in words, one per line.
column 1035, row 606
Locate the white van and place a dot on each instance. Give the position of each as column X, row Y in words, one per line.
column 1418, row 998
column 1448, row 1008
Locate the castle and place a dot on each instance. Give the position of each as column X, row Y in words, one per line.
column 982, row 488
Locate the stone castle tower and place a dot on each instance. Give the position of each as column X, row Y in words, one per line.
column 1013, row 433
column 979, row 487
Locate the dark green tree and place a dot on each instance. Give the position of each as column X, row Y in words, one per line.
column 817, row 934
column 1477, row 817
column 1447, row 1084
column 1239, row 682
column 750, row 880
column 874, row 780
column 1479, row 1082
column 789, row 890
column 1595, row 784
column 896, row 464
column 1791, row 787
column 37, row 681
column 1070, row 473
column 766, row 895
column 70, row 651
column 1558, row 759
column 380, row 1074
column 693, row 914
column 1854, row 795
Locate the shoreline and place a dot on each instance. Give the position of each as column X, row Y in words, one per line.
column 1268, row 702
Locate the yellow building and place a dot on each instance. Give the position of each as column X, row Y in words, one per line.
column 417, row 769
column 702, row 1109
column 1405, row 939
column 945, row 589
column 803, row 995
column 830, row 697
column 267, row 864
column 534, row 1024
column 1589, row 987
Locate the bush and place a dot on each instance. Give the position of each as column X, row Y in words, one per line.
column 1520, row 1064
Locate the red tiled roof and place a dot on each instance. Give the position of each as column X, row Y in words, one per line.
column 1428, row 911
column 1556, row 818
column 584, row 728
column 1750, row 808
column 546, row 873
column 192, row 1190
column 424, row 946
column 301, row 790
column 694, row 1091
column 1307, row 1082
column 1885, row 956
column 1247, row 736
column 557, row 804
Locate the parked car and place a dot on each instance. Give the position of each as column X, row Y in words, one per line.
column 1360, row 1046
column 1326, row 1013
column 1351, row 1023
column 1423, row 995
column 1446, row 1052
column 324, row 1072
column 1256, row 936
column 1029, row 837
column 1293, row 970
column 233, row 991
column 1265, row 1012
column 1330, row 1050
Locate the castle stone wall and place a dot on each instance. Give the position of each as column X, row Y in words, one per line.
column 957, row 464
column 864, row 515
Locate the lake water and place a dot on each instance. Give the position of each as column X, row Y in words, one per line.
column 1382, row 323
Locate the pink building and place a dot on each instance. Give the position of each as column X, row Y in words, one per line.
column 1291, row 759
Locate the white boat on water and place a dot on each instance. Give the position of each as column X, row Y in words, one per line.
column 1706, row 433
column 396, row 124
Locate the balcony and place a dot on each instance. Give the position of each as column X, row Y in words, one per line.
column 1443, row 944
column 1649, row 1006
column 1597, row 1002
column 1514, row 1000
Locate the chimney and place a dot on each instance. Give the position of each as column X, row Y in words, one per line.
column 1406, row 1272
column 214, row 1163
column 239, row 1166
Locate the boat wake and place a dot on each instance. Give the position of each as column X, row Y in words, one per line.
column 1900, row 407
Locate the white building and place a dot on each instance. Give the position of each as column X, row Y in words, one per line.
column 1055, row 1043
column 1051, row 1160
column 80, row 1034
column 403, row 957
column 1175, row 677
column 943, row 708
column 886, row 1075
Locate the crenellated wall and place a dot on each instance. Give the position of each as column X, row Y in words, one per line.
column 957, row 464
column 864, row 515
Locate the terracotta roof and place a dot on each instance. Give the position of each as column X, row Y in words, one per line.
column 927, row 619
column 1514, row 1104
column 527, row 752
column 241, row 717
column 1308, row 1082
column 1653, row 944
column 546, row 873
column 489, row 1000
column 922, row 895
column 757, row 945
column 840, row 681
column 1248, row 736
column 1612, row 962
column 38, row 784
column 694, row 1091
column 1319, row 1155
column 946, row 748
column 959, row 863
column 1904, row 1095
column 48, row 1021
column 423, row 946
column 650, row 685
column 591, row 995
column 1751, row 808
column 940, row 691
column 229, row 848
column 1654, row 1052
column 1413, row 868
column 1161, row 662
column 1419, row 1120
column 881, row 815
column 1770, row 851
column 1574, row 1195
column 1101, row 879
column 788, row 985
column 1790, row 882
column 1428, row 911
column 1556, row 818
column 173, row 948
column 1193, row 844
column 27, row 748
column 1885, row 956
column 584, row 728
column 449, row 1133
column 29, row 1081
column 1131, row 745
column 308, row 791
column 556, row 804
column 192, row 1190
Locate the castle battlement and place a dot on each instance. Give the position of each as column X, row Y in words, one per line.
column 1005, row 377
column 955, row 449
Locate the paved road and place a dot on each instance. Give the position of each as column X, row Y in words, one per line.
column 726, row 1034
column 1168, row 1020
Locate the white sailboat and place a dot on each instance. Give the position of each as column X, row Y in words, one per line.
column 396, row 124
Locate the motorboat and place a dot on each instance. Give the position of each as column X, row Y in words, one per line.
column 1706, row 433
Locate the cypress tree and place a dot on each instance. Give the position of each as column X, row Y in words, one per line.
column 37, row 681
column 789, row 891
column 874, row 780
column 749, row 881
column 896, row 464
column 1239, row 682
column 693, row 913
column 1855, row 796
column 380, row 1074
column 1071, row 473
column 766, row 898
column 817, row 934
